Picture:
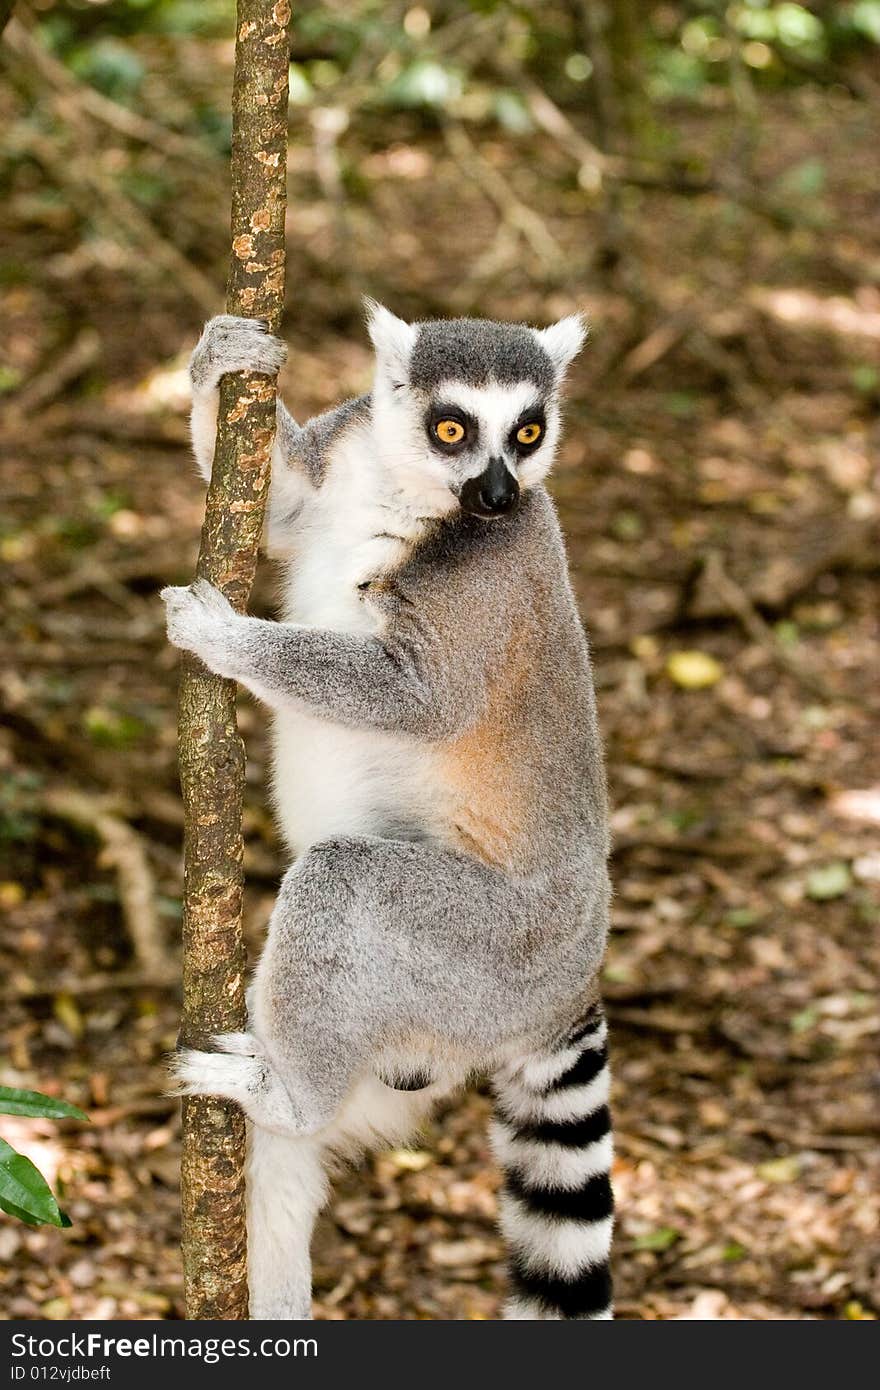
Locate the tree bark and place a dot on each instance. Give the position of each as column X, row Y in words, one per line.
column 210, row 750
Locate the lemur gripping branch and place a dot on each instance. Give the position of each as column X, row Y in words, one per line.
column 439, row 781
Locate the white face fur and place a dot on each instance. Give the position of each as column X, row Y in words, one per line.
column 449, row 443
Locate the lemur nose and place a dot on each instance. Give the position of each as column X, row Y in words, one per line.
column 493, row 492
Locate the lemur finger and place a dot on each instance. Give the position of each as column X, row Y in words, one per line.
column 248, row 1080
column 175, row 597
column 230, row 344
column 237, row 1044
column 197, row 616
column 210, row 598
column 200, row 596
column 216, row 1074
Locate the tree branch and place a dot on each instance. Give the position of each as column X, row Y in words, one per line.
column 211, row 751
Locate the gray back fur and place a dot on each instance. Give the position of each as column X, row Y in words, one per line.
column 312, row 443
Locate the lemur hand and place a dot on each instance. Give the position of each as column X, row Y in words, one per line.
column 202, row 621
column 230, row 344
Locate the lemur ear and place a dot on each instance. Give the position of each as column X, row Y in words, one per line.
column 391, row 337
column 563, row 341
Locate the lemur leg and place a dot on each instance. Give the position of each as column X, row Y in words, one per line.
column 287, row 1185
column 286, row 1189
column 553, row 1139
column 373, row 942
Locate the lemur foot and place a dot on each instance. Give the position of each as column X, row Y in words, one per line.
column 201, row 620
column 240, row 1071
column 230, row 344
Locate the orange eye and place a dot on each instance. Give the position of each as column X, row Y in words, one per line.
column 449, row 431
column 529, row 434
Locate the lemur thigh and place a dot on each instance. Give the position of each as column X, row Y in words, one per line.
column 371, row 942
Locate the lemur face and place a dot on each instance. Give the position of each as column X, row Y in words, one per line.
column 466, row 410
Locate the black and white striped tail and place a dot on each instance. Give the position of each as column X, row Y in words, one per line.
column 552, row 1137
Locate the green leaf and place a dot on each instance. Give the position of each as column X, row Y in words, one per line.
column 797, row 28
column 787, row 633
column 512, row 113
column 12, row 1210
column 682, row 404
column 742, row 917
column 803, row 1021
column 829, row 881
column 24, row 1191
column 856, row 1312
column 805, row 180
column 36, row 1105
column 113, row 67
column 864, row 377
column 866, row 19
column 424, row 83
column 661, row 1239
column 627, row 526
column 10, row 378
column 111, row 728
column 301, row 90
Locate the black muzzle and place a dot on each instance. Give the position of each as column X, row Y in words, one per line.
column 492, row 493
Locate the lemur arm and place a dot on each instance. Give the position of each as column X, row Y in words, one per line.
column 230, row 344
column 408, row 681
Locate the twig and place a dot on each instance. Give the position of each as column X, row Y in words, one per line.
column 88, row 186
column 42, row 654
column 102, row 982
column 656, row 1020
column 82, row 354
column 660, row 341
column 547, row 115
column 737, row 601
column 716, row 849
column 79, row 96
column 124, row 852
column 516, row 216
column 775, row 580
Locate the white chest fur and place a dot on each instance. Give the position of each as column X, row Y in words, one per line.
column 331, row 780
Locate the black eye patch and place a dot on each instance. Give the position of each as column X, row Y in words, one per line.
column 529, row 430
column 449, row 429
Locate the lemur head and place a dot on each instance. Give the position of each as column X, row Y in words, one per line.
column 466, row 412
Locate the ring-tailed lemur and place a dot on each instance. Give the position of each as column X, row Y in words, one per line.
column 439, row 778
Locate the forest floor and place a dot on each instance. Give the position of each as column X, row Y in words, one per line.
column 716, row 490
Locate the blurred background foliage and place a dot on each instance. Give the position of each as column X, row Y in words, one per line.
column 426, row 57
column 601, row 103
column 616, row 87
column 703, row 180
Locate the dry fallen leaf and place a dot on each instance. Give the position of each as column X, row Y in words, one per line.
column 829, row 881
column 693, row 670
column 780, row 1169
column 410, row 1160
column 456, row 1254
